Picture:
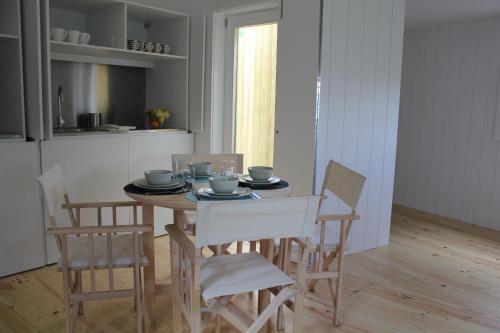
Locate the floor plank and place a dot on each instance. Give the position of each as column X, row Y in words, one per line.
column 431, row 278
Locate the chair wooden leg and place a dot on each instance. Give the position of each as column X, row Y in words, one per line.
column 138, row 302
column 176, row 289
column 283, row 265
column 195, row 309
column 266, row 250
column 218, row 324
column 67, row 304
column 79, row 289
column 298, row 308
column 340, row 269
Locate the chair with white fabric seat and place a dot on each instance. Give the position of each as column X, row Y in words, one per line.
column 216, row 279
column 91, row 248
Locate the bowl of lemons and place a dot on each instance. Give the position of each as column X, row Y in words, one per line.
column 157, row 118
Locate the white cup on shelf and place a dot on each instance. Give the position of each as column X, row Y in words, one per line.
column 58, row 34
column 157, row 48
column 84, row 38
column 73, row 36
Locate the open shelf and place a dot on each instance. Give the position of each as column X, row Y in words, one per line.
column 110, row 23
column 96, row 54
column 158, row 26
column 11, row 80
column 9, row 18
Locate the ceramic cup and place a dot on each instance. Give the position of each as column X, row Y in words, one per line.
column 166, row 49
column 157, row 48
column 58, row 34
column 84, row 38
column 158, row 177
column 150, row 47
column 223, row 184
column 260, row 173
column 73, row 36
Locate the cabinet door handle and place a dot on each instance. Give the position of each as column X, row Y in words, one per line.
column 276, row 132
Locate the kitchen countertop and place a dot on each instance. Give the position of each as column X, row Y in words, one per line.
column 104, row 132
column 8, row 135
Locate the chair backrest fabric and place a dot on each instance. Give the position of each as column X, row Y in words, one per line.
column 52, row 183
column 345, row 183
column 215, row 159
column 245, row 220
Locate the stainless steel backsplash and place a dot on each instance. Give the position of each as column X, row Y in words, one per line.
column 115, row 91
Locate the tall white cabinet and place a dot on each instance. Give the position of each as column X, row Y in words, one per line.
column 21, row 240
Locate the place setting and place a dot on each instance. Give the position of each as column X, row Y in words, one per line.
column 261, row 178
column 157, row 182
column 222, row 188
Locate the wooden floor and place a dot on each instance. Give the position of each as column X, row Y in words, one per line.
column 429, row 279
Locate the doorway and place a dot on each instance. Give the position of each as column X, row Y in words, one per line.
column 255, row 93
column 250, row 85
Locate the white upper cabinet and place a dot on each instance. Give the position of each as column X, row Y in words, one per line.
column 112, row 24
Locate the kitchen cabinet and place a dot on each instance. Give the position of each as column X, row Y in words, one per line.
column 154, row 151
column 11, row 79
column 97, row 167
column 22, row 237
column 111, row 23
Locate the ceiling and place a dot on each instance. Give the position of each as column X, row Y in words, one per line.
column 421, row 13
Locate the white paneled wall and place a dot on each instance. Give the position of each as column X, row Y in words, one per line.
column 448, row 163
column 362, row 45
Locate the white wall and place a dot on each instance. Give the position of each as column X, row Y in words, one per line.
column 358, row 118
column 447, row 161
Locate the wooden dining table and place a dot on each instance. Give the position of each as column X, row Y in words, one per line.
column 179, row 204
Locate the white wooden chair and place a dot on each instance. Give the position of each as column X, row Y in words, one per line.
column 346, row 185
column 91, row 248
column 217, row 160
column 218, row 278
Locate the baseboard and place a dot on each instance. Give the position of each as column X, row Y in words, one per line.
column 447, row 222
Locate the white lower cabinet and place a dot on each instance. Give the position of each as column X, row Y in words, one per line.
column 21, row 219
column 153, row 151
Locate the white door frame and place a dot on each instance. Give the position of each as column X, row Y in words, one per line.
column 223, row 83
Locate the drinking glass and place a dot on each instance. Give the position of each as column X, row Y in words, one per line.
column 189, row 176
column 228, row 168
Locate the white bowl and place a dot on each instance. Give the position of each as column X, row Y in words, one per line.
column 202, row 168
column 260, row 173
column 158, row 177
column 223, row 184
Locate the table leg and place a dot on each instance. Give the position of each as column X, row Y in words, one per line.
column 175, row 273
column 149, row 252
column 267, row 250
